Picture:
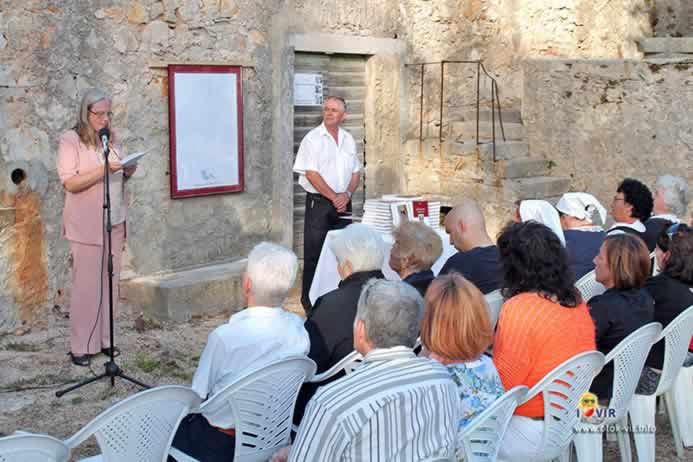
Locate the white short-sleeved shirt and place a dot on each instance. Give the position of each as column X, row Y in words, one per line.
column 335, row 162
column 251, row 339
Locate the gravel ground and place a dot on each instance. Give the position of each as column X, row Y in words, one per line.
column 34, row 366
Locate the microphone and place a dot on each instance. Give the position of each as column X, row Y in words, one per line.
column 104, row 134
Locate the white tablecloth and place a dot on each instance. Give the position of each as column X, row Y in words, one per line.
column 326, row 276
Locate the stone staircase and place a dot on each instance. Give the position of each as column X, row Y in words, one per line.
column 515, row 171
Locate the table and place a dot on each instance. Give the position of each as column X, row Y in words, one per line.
column 327, row 279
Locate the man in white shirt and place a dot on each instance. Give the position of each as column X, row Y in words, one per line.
column 254, row 337
column 330, row 173
column 395, row 406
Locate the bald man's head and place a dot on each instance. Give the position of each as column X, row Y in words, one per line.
column 466, row 225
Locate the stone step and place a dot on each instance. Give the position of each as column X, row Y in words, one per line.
column 347, row 79
column 346, row 92
column 539, row 187
column 508, row 115
column 504, row 149
column 346, row 64
column 522, row 167
column 466, row 130
column 177, row 296
column 667, row 46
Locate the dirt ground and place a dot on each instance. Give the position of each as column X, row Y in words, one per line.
column 34, row 366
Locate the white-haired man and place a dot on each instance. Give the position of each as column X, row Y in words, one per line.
column 669, row 206
column 395, row 406
column 329, row 171
column 262, row 333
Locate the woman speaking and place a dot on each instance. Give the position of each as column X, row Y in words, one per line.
column 81, row 171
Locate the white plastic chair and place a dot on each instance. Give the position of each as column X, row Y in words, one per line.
column 683, row 402
column 139, row 428
column 589, row 287
column 262, row 403
column 629, row 358
column 481, row 438
column 30, row 447
column 562, row 389
column 495, row 302
column 346, row 364
column 677, row 336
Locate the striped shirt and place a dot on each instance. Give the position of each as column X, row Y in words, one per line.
column 395, row 407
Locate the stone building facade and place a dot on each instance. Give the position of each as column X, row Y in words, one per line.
column 51, row 51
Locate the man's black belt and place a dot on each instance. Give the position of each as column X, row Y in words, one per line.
column 317, row 197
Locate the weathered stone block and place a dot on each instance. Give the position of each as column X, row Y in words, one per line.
column 178, row 296
column 522, row 168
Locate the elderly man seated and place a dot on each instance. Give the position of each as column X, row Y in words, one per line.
column 360, row 253
column 262, row 333
column 395, row 406
column 477, row 257
column 670, row 205
column 416, row 249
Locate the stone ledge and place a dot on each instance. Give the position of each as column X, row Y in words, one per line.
column 178, row 296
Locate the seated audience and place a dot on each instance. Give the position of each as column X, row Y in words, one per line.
column 544, row 213
column 254, row 337
column 543, row 323
column 622, row 266
column 670, row 204
column 359, row 250
column 456, row 331
column 416, row 249
column 631, row 205
column 395, row 406
column 582, row 237
column 672, row 290
column 477, row 256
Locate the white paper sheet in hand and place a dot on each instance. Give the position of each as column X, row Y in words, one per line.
column 132, row 159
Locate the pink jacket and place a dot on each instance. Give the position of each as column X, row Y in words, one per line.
column 83, row 211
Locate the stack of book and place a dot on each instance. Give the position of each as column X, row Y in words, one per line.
column 386, row 213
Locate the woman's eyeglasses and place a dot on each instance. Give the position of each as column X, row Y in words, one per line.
column 101, row 114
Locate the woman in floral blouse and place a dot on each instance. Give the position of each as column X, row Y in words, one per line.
column 456, row 331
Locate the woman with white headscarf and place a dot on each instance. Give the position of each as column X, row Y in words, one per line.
column 544, row 213
column 583, row 238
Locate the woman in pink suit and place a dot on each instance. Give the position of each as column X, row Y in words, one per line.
column 81, row 167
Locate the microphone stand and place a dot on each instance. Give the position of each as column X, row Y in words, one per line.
column 112, row 370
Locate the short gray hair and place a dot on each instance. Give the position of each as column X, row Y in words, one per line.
column 419, row 242
column 674, row 192
column 272, row 272
column 361, row 245
column 391, row 312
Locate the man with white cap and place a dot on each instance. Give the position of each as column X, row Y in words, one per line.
column 583, row 238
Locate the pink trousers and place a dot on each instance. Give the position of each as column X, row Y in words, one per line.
column 89, row 321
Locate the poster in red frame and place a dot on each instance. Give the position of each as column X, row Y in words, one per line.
column 205, row 130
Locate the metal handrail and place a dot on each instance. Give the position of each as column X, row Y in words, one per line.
column 495, row 101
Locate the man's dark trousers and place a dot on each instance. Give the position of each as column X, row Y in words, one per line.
column 321, row 216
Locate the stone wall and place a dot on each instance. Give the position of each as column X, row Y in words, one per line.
column 601, row 121
column 51, row 51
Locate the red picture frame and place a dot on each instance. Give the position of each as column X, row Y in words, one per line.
column 205, row 130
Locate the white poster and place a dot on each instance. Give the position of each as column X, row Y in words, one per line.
column 206, row 130
column 307, row 90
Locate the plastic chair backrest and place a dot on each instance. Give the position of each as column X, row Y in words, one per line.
column 346, row 364
column 262, row 403
column 562, row 389
column 481, row 438
column 677, row 337
column 629, row 359
column 495, row 302
column 589, row 287
column 29, row 447
column 141, row 427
